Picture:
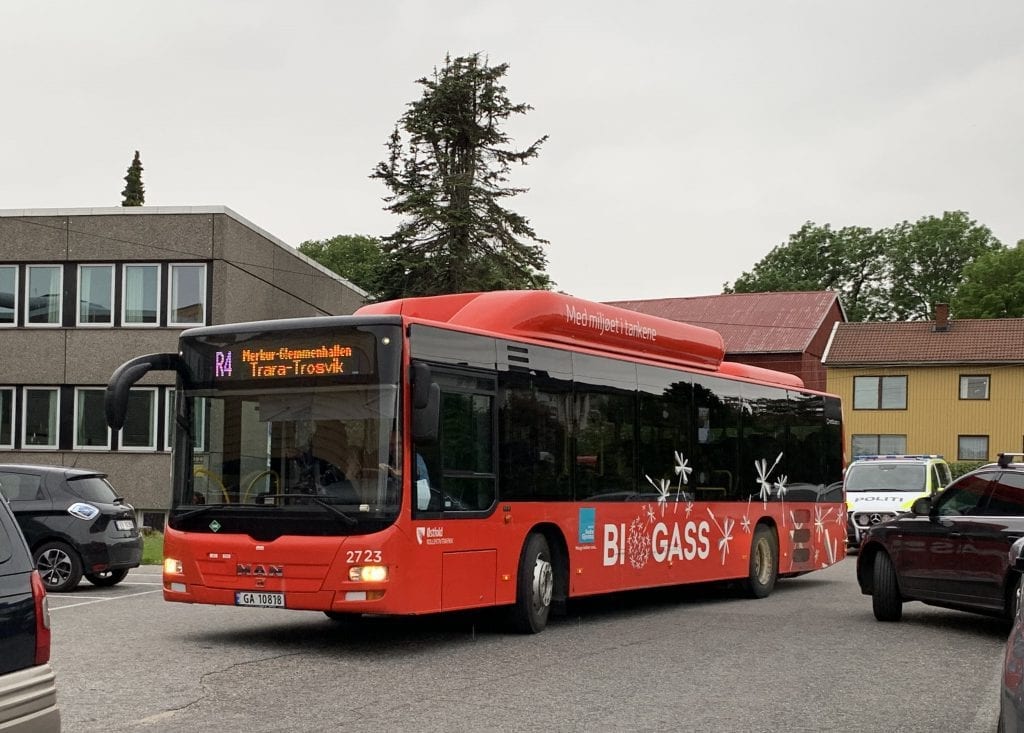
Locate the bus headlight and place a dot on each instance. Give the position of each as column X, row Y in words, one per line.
column 368, row 573
column 172, row 566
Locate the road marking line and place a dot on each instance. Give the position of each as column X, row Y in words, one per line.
column 102, row 600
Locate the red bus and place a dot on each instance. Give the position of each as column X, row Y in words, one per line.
column 515, row 449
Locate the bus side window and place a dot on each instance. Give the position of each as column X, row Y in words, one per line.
column 466, row 480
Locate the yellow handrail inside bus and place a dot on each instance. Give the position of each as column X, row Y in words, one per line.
column 275, row 483
column 202, row 472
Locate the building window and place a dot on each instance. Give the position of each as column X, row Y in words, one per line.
column 91, row 430
column 880, row 393
column 139, row 431
column 95, row 295
column 41, row 406
column 187, row 304
column 879, row 445
column 6, row 417
column 140, row 301
column 8, row 295
column 974, row 386
column 972, row 448
column 43, row 300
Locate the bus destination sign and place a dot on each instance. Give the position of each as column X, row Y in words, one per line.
column 285, row 362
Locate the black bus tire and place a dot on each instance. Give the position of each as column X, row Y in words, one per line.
column 534, row 587
column 763, row 570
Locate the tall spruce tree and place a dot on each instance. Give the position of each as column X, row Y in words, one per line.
column 134, row 194
column 447, row 169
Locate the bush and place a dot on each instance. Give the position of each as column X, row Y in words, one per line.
column 959, row 468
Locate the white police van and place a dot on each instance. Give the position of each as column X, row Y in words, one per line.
column 879, row 488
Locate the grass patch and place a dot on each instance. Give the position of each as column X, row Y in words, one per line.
column 152, row 547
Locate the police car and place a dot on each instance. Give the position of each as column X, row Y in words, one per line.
column 879, row 488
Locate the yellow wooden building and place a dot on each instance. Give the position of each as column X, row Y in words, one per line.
column 951, row 387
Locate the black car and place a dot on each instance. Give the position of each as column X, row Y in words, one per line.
column 28, row 690
column 951, row 550
column 74, row 522
column 1011, row 686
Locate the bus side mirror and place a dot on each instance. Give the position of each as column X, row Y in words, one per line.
column 425, row 419
column 115, row 399
column 420, row 385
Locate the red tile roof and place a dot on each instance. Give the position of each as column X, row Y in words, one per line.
column 749, row 322
column 917, row 342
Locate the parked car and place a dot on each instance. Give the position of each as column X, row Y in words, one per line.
column 28, row 689
column 879, row 488
column 75, row 524
column 951, row 550
column 1011, row 693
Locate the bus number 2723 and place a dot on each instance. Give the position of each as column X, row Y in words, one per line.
column 355, row 556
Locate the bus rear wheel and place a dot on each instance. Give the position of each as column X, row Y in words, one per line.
column 534, row 587
column 764, row 562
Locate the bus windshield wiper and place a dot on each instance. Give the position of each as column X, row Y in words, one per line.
column 201, row 510
column 351, row 522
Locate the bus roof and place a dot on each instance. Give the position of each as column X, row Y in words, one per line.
column 543, row 315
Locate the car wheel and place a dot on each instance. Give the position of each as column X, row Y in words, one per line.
column 534, row 587
column 885, row 597
column 59, row 566
column 107, row 578
column 764, row 563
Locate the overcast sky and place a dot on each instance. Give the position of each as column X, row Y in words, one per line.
column 687, row 139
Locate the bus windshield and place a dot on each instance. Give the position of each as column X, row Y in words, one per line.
column 296, row 429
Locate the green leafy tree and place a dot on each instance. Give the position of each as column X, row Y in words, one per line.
column 356, row 257
column 134, row 194
column 447, row 169
column 926, row 260
column 992, row 286
column 897, row 273
column 817, row 257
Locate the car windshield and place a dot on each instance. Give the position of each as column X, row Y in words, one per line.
column 93, row 488
column 910, row 477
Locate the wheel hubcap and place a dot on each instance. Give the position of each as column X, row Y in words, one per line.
column 54, row 567
column 762, row 562
column 543, row 583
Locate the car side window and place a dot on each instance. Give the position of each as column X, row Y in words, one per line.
column 1007, row 498
column 964, row 496
column 6, row 545
column 20, row 486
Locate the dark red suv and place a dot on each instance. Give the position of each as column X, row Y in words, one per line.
column 951, row 550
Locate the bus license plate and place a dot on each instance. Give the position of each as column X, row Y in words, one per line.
column 252, row 598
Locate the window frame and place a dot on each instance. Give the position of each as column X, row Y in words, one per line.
column 15, row 301
column 10, row 418
column 55, row 444
column 171, row 307
column 77, row 416
column 965, row 387
column 881, row 379
column 125, row 323
column 78, row 300
column 960, row 447
column 878, row 444
column 59, row 323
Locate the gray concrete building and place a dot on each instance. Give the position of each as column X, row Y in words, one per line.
column 83, row 290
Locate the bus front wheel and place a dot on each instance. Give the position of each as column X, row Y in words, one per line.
column 534, row 587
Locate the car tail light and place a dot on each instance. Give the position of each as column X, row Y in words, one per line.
column 42, row 619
